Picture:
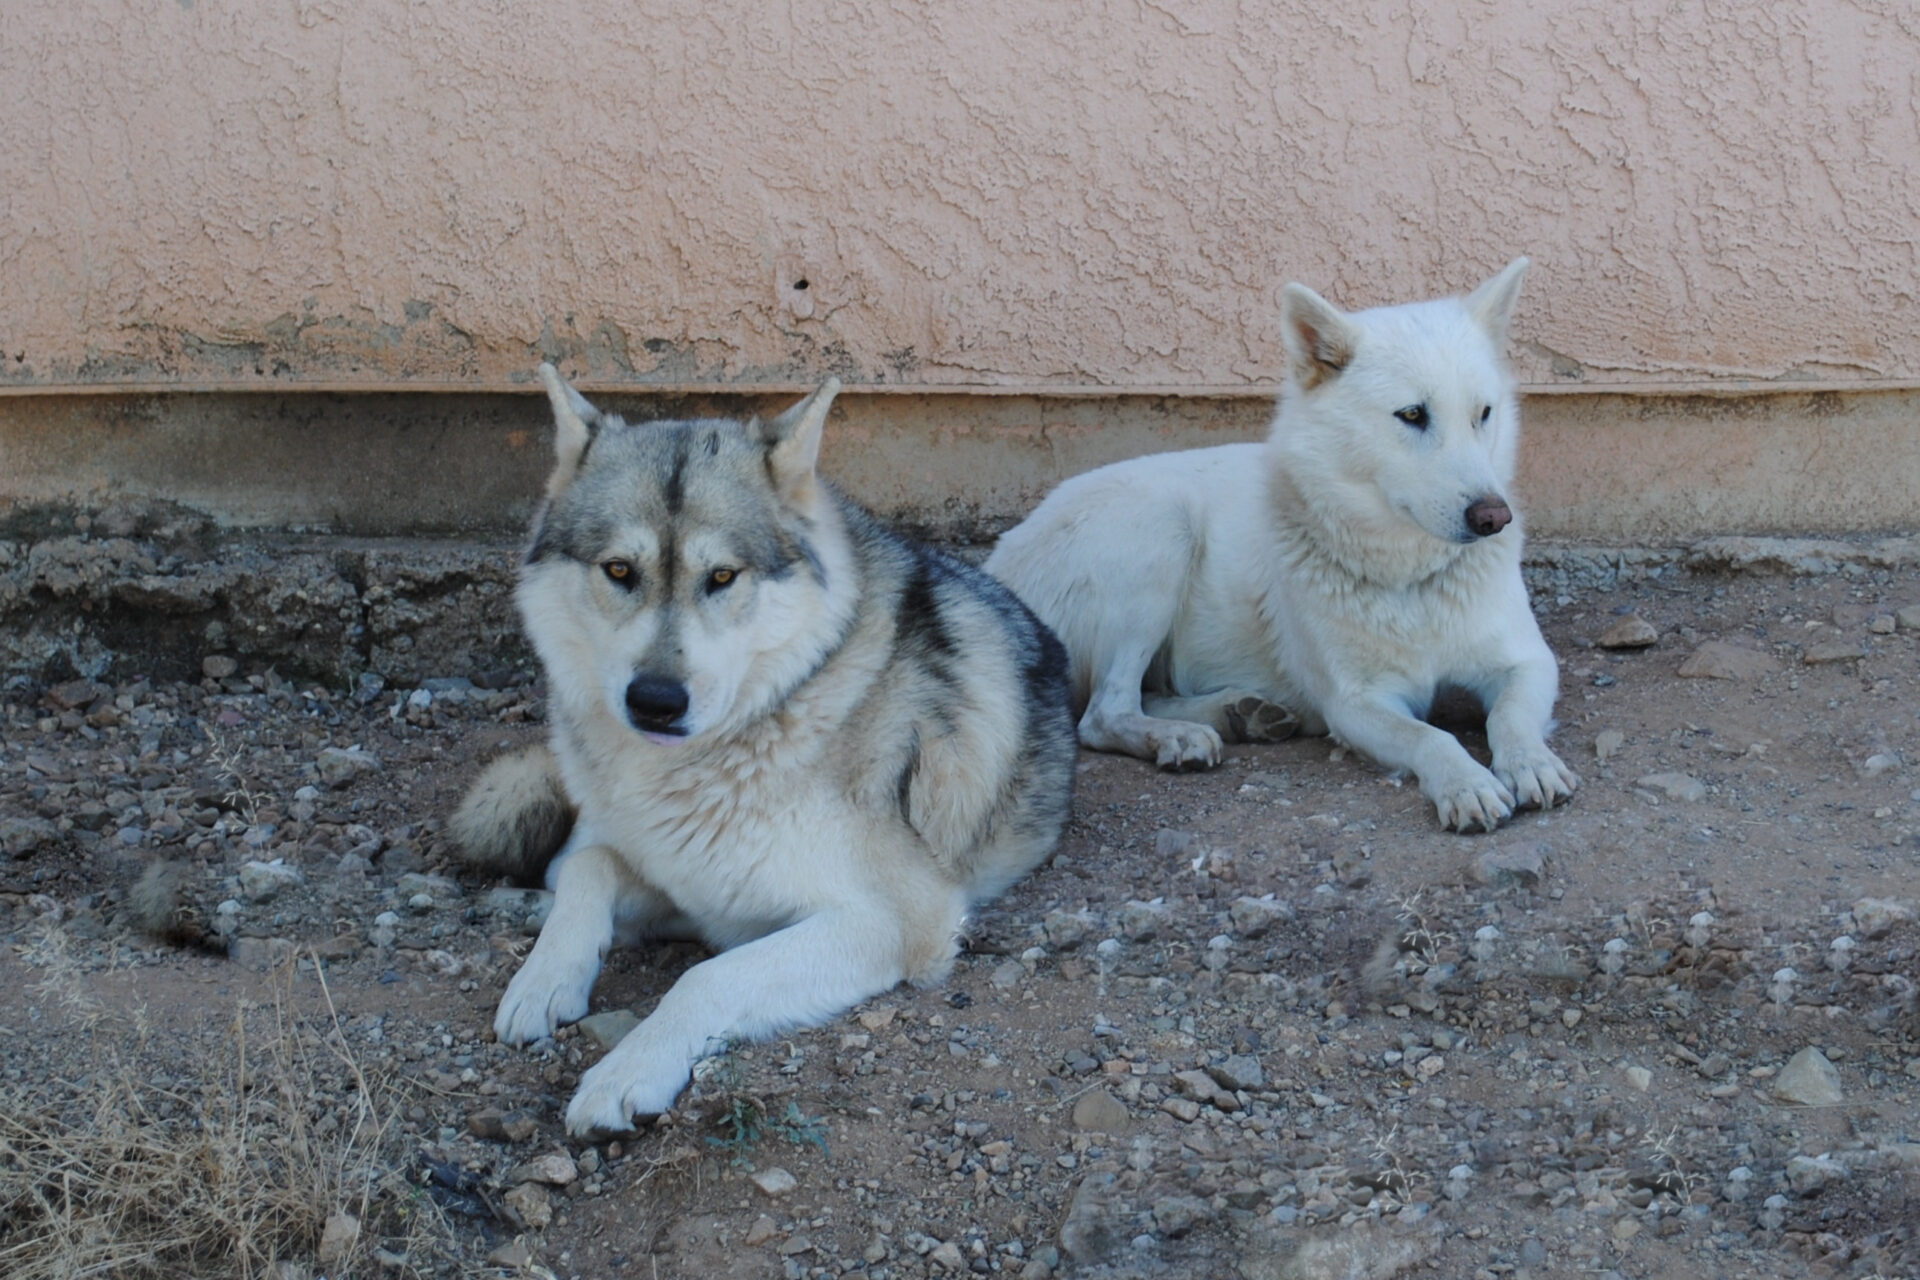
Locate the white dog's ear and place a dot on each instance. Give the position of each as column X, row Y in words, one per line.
column 1320, row 340
column 1491, row 305
column 793, row 444
column 574, row 422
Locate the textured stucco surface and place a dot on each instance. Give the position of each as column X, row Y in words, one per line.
column 994, row 193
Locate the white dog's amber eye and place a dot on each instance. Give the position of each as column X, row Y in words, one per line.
column 1414, row 415
column 720, row 578
column 620, row 571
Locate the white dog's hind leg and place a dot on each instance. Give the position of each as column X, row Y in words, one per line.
column 593, row 892
column 1519, row 713
column 798, row 976
column 1463, row 792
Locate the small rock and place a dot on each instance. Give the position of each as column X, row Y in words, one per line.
column 1252, row 917
column 263, row 880
column 1908, row 618
column 530, row 1203
column 1141, row 921
column 1631, row 632
column 775, row 1182
column 1182, row 1109
column 1351, row 869
column 259, row 954
column 21, row 836
column 1833, row 651
column 760, row 1232
column 1718, row 660
column 1520, row 864
column 1639, row 1079
column 1608, row 743
column 947, row 1255
column 1808, row 1080
column 218, row 666
column 1173, row 846
column 1878, row 763
column 1101, row 1112
column 1809, row 1175
column 1675, row 786
column 877, row 1019
column 1007, row 975
column 1238, row 1071
column 1065, row 930
column 1876, row 917
column 1364, row 1251
column 1881, row 624
column 609, row 1028
column 337, row 1238
column 1175, row 1216
column 338, row 766
column 1088, row 1235
column 515, row 1255
column 556, row 1169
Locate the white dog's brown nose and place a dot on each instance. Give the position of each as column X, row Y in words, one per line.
column 1488, row 516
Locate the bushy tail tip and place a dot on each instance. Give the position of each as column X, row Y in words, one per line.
column 515, row 817
column 159, row 905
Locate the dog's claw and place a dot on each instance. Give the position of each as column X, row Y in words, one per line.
column 1538, row 780
column 618, row 1088
column 1479, row 801
column 1181, row 746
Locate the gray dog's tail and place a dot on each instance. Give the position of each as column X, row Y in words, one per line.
column 515, row 817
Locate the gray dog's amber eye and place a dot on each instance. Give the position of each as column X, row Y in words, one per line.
column 720, row 579
column 620, row 571
column 1414, row 415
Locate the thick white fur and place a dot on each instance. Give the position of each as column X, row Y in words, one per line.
column 777, row 839
column 1328, row 571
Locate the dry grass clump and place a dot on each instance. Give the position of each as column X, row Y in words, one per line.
column 282, row 1160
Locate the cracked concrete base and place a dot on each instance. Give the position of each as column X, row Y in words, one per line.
column 156, row 588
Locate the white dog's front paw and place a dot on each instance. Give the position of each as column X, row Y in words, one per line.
column 1537, row 777
column 621, row 1086
column 1181, row 744
column 1469, row 800
column 546, row 993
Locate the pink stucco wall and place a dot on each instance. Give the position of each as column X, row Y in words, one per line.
column 977, row 193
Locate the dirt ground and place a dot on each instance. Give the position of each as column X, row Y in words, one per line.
column 1264, row 1022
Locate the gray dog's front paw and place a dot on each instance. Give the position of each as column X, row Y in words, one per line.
column 1251, row 718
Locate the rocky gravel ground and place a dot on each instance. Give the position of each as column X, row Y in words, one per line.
column 1265, row 1022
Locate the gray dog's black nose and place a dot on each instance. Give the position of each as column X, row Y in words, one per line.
column 656, row 703
column 1488, row 516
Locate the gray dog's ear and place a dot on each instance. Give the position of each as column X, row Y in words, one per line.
column 792, row 441
column 1320, row 339
column 1491, row 305
column 574, row 422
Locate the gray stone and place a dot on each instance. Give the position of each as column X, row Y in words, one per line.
column 1833, row 651
column 1141, row 921
column 1173, row 846
column 1808, row 1080
column 555, row 1169
column 1252, row 917
column 1101, row 1112
column 1908, row 618
column 1364, row 1251
column 261, row 881
column 1065, row 930
column 1607, row 743
column 1876, row 917
column 775, row 1182
column 1239, row 1071
column 1810, row 1175
column 1631, row 632
column 1088, row 1234
column 609, row 1028
column 1718, row 660
column 1175, row 1216
column 947, row 1256
column 1520, row 864
column 21, row 836
column 340, row 766
column 218, row 666
column 1682, row 787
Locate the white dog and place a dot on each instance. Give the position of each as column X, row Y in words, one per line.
column 1331, row 580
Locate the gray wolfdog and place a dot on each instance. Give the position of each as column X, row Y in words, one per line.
column 777, row 728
